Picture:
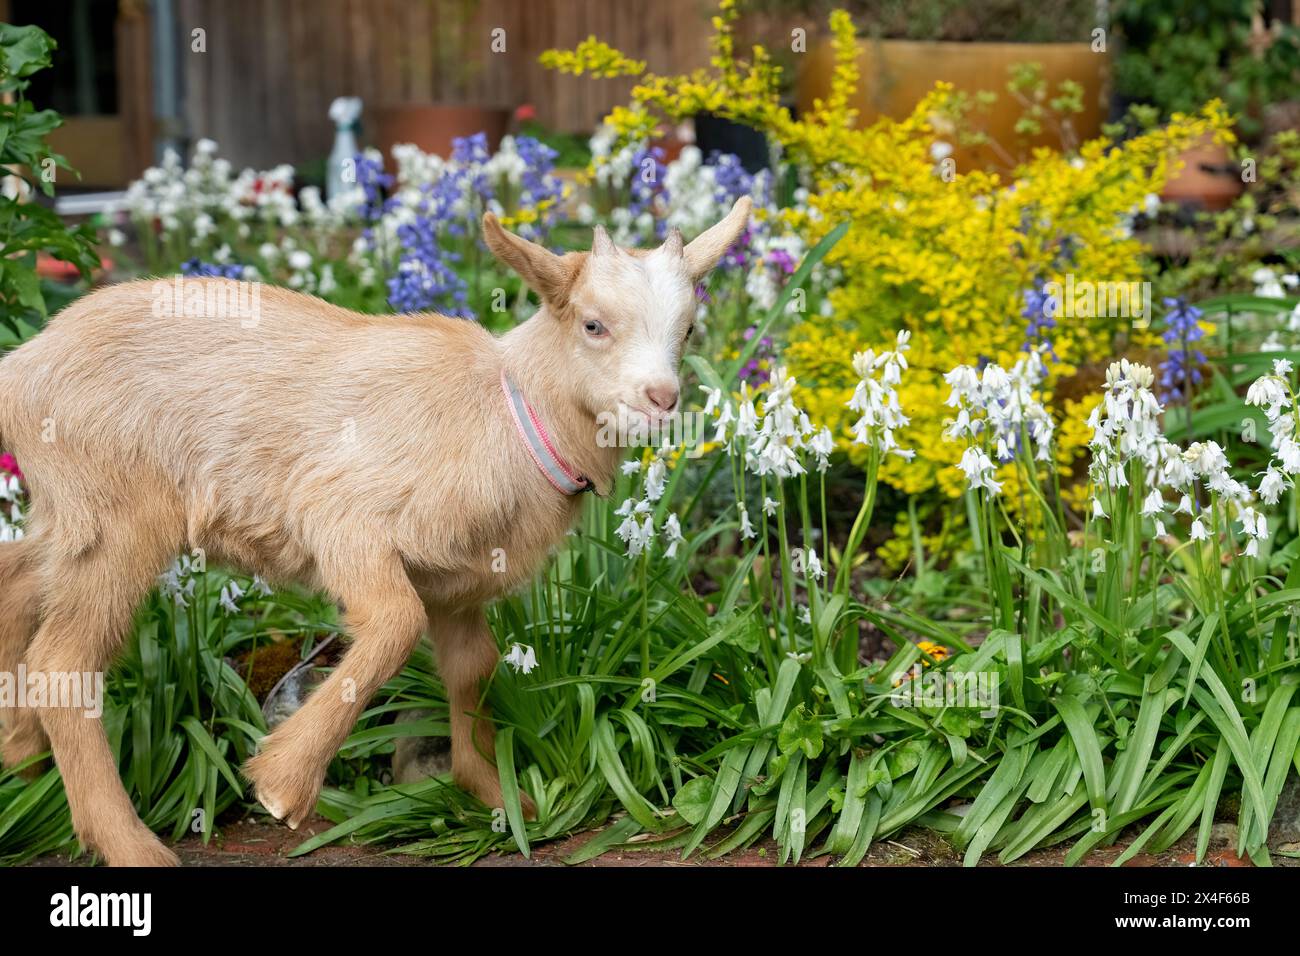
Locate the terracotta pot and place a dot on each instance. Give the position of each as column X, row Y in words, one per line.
column 1208, row 179
column 56, row 270
column 432, row 128
column 897, row 74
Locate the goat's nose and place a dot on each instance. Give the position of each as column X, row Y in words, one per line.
column 662, row 397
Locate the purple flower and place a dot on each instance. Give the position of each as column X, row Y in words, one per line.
column 1041, row 309
column 1180, row 372
column 730, row 177
column 731, row 181
column 538, row 186
column 753, row 371
column 471, row 154
column 426, row 276
column 648, row 172
column 737, row 256
column 782, row 260
column 375, row 184
column 470, row 150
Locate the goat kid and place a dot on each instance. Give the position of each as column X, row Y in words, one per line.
column 390, row 461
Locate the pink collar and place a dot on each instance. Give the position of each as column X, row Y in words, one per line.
column 538, row 443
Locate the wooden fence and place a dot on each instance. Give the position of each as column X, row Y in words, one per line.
column 271, row 67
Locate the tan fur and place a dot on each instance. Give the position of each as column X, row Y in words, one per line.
column 371, row 457
column 21, row 734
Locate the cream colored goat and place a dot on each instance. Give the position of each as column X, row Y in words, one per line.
column 371, row 457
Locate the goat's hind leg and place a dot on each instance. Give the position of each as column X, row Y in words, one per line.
column 89, row 600
column 21, row 734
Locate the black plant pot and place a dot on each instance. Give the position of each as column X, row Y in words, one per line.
column 715, row 134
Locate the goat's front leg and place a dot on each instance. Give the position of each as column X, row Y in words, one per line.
column 467, row 655
column 385, row 618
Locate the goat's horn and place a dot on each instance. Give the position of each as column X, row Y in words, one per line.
column 673, row 245
column 601, row 244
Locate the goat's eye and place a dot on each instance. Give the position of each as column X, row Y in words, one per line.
column 689, row 333
column 593, row 327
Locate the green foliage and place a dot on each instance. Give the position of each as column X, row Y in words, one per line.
column 571, row 149
column 27, row 228
column 1177, row 55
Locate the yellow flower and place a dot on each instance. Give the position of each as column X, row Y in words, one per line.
column 594, row 57
column 933, row 651
column 936, row 651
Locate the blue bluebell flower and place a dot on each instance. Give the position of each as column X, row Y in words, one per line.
column 426, row 274
column 1180, row 371
column 1041, row 309
column 538, row 186
column 648, row 174
column 375, row 184
column 198, row 268
column 471, row 154
column 730, row 178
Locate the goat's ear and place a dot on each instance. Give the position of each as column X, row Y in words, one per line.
column 703, row 252
column 544, row 271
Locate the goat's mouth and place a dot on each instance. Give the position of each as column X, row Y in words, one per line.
column 652, row 416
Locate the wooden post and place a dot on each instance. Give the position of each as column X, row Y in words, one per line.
column 135, row 84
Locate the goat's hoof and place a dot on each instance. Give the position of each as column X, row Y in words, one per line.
column 287, row 813
column 145, row 850
column 285, row 797
column 290, row 809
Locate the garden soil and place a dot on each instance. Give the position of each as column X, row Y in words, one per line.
column 253, row 842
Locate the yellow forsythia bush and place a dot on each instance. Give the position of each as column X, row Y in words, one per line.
column 949, row 257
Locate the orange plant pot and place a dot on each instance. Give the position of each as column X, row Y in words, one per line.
column 432, row 128
column 897, row 74
column 1207, row 179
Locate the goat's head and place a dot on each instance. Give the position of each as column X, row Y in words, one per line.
column 626, row 313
